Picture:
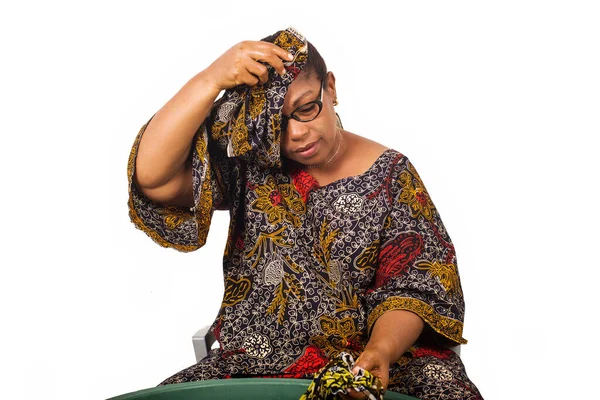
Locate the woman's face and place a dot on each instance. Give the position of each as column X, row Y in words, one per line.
column 313, row 142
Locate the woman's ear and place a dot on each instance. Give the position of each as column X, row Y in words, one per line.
column 330, row 85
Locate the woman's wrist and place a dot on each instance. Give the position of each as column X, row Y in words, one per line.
column 380, row 350
column 205, row 82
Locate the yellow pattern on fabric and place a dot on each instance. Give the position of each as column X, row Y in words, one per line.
column 217, row 130
column 447, row 274
column 322, row 249
column 448, row 327
column 413, row 194
column 173, row 216
column 264, row 244
column 137, row 221
column 387, row 223
column 368, row 258
column 286, row 40
column 337, row 335
column 204, row 205
column 336, row 378
column 204, row 210
column 257, row 101
column 346, row 300
column 239, row 135
column 235, row 291
column 289, row 285
column 277, row 201
column 133, row 215
column 292, row 199
column 275, row 123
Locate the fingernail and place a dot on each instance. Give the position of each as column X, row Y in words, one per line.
column 290, row 56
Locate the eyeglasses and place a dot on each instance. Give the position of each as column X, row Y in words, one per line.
column 306, row 112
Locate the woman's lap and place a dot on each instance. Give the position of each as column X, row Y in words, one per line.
column 422, row 373
column 430, row 375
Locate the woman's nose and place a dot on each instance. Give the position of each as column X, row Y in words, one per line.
column 296, row 130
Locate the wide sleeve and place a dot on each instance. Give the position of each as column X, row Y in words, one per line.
column 243, row 127
column 184, row 229
column 417, row 268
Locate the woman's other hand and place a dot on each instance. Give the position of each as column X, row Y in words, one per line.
column 240, row 65
column 375, row 361
column 393, row 333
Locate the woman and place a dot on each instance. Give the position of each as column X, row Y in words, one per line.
column 334, row 245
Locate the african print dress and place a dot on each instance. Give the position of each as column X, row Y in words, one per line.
column 308, row 269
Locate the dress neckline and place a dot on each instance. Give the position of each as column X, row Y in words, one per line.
column 317, row 186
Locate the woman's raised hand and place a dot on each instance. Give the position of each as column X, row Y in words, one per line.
column 241, row 64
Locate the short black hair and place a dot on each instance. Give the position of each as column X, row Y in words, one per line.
column 315, row 63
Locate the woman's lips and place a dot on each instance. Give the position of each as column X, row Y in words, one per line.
column 310, row 150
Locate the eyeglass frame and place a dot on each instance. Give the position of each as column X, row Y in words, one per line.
column 319, row 103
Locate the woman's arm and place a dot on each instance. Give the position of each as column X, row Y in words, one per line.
column 393, row 333
column 162, row 173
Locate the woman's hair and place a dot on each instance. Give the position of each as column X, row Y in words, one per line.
column 315, row 63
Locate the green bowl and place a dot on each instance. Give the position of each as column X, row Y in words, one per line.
column 239, row 388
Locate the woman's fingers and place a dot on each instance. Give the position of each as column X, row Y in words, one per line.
column 247, row 78
column 277, row 64
column 246, row 63
column 258, row 70
column 271, row 54
column 271, row 49
column 281, row 53
column 376, row 364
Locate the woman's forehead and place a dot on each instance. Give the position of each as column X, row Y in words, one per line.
column 302, row 87
column 304, row 80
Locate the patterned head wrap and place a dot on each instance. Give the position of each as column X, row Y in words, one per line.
column 246, row 121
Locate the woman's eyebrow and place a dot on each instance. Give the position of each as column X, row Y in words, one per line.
column 295, row 103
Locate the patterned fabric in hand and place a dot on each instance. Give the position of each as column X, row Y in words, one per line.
column 244, row 125
column 336, row 378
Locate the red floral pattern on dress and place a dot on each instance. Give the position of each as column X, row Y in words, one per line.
column 275, row 198
column 239, row 243
column 310, row 362
column 304, row 183
column 437, row 353
column 396, row 255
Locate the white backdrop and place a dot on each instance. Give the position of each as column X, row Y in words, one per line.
column 496, row 103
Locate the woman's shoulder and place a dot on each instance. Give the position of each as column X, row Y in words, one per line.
column 365, row 152
column 371, row 152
